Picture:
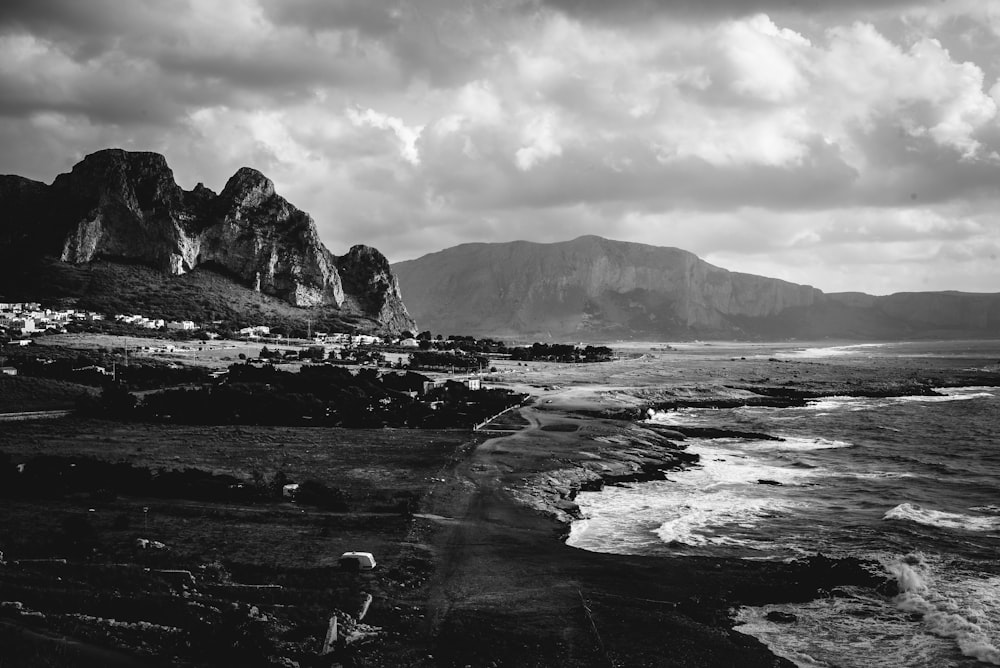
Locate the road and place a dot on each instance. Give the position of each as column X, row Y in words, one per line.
column 501, row 575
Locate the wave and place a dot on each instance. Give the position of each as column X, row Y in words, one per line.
column 800, row 443
column 952, row 394
column 880, row 475
column 828, row 351
column 854, row 628
column 843, row 402
column 719, row 502
column 992, row 508
column 963, row 610
column 940, row 611
column 941, row 519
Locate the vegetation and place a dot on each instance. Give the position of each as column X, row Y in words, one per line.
column 562, row 352
column 443, row 361
column 100, row 368
column 20, row 393
column 316, row 395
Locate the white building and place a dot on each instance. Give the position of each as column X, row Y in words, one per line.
column 258, row 330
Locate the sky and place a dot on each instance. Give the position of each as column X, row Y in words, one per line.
column 850, row 145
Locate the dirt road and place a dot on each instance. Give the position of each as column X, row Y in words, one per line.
column 500, row 595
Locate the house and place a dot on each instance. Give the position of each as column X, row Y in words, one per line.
column 409, row 343
column 181, row 325
column 24, row 324
column 8, row 371
column 259, row 330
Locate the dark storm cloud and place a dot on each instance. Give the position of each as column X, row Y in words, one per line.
column 86, row 30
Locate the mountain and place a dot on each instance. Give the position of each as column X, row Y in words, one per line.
column 597, row 289
column 125, row 207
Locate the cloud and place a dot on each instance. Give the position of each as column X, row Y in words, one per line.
column 776, row 135
column 406, row 136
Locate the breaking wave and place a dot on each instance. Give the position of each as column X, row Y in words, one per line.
column 942, row 519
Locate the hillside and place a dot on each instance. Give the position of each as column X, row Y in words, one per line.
column 597, row 289
column 125, row 208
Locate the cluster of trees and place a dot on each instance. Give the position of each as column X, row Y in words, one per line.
column 444, row 361
column 562, row 352
column 364, row 355
column 468, row 344
column 316, row 395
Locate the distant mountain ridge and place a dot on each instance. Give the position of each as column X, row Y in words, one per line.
column 124, row 206
column 599, row 289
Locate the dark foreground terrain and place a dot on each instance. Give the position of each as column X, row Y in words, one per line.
column 466, row 527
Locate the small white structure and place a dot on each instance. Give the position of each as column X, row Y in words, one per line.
column 290, row 490
column 361, row 561
column 181, row 325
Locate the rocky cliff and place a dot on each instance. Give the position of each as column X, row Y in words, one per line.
column 594, row 288
column 125, row 206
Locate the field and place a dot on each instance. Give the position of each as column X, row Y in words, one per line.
column 212, row 561
column 18, row 393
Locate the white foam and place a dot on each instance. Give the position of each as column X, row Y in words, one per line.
column 992, row 508
column 828, row 351
column 796, row 443
column 683, row 416
column 856, row 628
column 714, row 503
column 952, row 394
column 962, row 609
column 840, row 403
column 880, row 475
column 939, row 518
column 939, row 612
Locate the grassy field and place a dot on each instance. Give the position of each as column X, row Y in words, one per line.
column 369, row 464
column 19, row 393
column 198, row 599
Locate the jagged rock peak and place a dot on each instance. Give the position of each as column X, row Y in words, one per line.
column 368, row 256
column 248, row 187
column 123, row 205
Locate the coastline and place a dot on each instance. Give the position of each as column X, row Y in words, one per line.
column 505, row 576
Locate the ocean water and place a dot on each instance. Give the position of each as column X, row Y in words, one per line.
column 910, row 483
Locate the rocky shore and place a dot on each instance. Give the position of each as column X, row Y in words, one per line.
column 508, row 591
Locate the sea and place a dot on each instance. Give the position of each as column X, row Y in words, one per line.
column 909, row 484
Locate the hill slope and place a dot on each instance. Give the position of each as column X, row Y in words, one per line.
column 594, row 288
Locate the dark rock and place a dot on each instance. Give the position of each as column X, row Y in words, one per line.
column 125, row 206
column 779, row 617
